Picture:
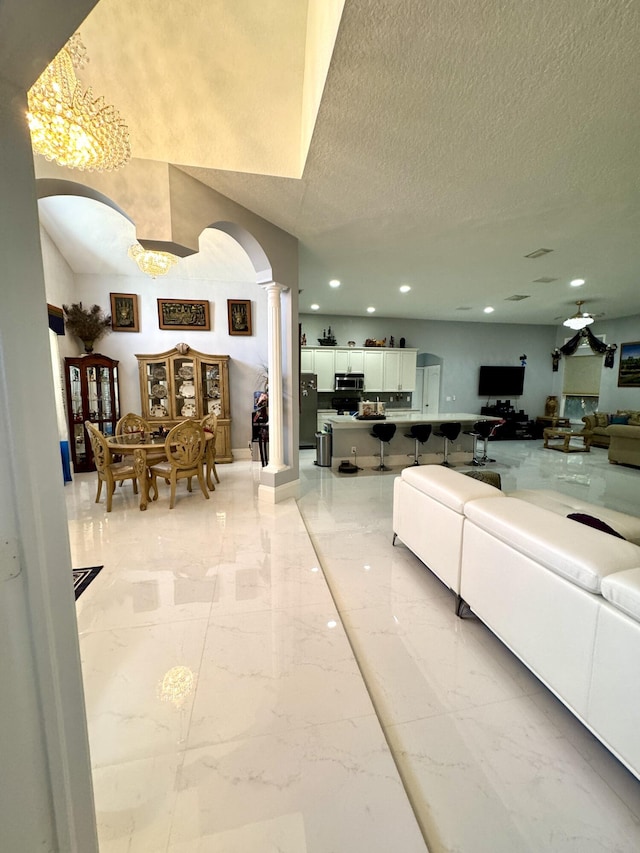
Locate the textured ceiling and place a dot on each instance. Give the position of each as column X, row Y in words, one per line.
column 452, row 139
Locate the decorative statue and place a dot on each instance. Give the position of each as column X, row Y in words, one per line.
column 391, row 341
column 551, row 407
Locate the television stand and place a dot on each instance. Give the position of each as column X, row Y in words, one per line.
column 516, row 424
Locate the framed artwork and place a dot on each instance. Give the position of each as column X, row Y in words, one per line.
column 629, row 366
column 239, row 311
column 124, row 312
column 183, row 314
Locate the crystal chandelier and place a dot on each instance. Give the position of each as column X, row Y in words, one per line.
column 579, row 320
column 71, row 126
column 151, row 262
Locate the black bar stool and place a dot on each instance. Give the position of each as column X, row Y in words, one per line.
column 449, row 431
column 384, row 433
column 480, row 431
column 491, row 430
column 419, row 433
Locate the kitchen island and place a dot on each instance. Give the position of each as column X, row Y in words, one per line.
column 348, row 432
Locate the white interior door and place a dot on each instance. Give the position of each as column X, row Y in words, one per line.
column 431, row 390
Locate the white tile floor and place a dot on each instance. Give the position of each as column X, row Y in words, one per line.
column 239, row 702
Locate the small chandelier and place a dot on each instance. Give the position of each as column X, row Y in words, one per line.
column 579, row 320
column 151, row 262
column 71, row 126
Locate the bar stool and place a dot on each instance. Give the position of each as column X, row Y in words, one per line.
column 491, row 429
column 384, row 433
column 419, row 433
column 449, row 431
column 480, row 430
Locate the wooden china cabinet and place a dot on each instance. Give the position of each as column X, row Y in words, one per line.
column 183, row 383
column 92, row 395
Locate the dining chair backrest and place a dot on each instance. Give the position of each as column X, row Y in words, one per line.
column 185, row 445
column 101, row 451
column 209, row 423
column 132, row 423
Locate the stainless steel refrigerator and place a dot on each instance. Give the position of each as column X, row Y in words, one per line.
column 308, row 409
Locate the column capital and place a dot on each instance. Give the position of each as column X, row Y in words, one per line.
column 273, row 286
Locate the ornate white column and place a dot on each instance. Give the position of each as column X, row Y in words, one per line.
column 276, row 426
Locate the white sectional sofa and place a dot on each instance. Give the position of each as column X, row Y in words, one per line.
column 564, row 597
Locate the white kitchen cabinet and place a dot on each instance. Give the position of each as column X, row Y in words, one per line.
column 386, row 370
column 307, row 360
column 407, row 373
column 373, row 370
column 349, row 360
column 399, row 370
column 391, row 375
column 324, row 368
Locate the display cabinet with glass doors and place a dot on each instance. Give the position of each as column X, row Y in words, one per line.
column 92, row 395
column 184, row 383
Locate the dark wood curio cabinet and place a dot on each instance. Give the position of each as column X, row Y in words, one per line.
column 92, row 395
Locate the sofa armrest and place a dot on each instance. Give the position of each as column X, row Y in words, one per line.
column 623, row 431
column 589, row 422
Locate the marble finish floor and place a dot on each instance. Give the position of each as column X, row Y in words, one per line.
column 264, row 678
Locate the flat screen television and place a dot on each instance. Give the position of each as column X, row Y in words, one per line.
column 498, row 381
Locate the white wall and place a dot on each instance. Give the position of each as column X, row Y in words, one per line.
column 460, row 348
column 196, row 277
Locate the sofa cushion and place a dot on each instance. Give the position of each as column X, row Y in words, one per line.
column 602, row 419
column 447, row 487
column 622, row 589
column 596, row 523
column 626, row 525
column 577, row 553
column 619, row 419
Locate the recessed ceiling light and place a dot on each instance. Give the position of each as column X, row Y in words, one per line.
column 334, row 283
column 371, row 309
column 314, row 307
column 577, row 282
column 489, row 310
column 405, row 288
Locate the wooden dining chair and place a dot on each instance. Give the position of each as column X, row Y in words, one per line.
column 108, row 471
column 132, row 423
column 210, row 424
column 185, row 447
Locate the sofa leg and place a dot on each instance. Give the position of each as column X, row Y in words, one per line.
column 463, row 611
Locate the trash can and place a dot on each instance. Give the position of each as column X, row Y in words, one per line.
column 323, row 449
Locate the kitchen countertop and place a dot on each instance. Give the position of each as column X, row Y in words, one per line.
column 338, row 422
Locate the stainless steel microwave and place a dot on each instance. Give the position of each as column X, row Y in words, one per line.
column 349, row 381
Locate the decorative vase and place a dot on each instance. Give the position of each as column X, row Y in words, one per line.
column 88, row 346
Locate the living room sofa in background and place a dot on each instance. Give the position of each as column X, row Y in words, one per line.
column 563, row 596
column 598, row 424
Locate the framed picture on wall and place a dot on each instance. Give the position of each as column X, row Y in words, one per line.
column 239, row 311
column 629, row 366
column 124, row 312
column 183, row 314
